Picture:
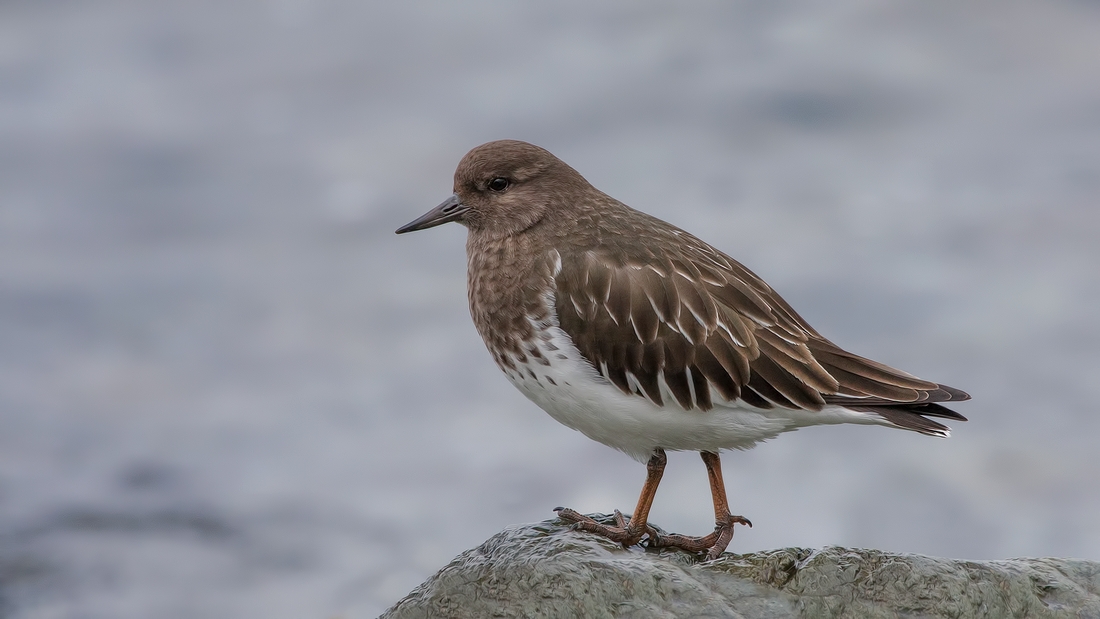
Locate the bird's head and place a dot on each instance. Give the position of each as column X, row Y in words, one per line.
column 503, row 188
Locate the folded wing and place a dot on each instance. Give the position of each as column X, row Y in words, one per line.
column 696, row 328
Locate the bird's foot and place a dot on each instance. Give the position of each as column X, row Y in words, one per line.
column 714, row 544
column 623, row 532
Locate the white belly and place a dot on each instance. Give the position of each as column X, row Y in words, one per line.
column 571, row 390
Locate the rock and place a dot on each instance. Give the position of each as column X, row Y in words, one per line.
column 549, row 570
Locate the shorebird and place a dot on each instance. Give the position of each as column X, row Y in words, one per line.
column 645, row 338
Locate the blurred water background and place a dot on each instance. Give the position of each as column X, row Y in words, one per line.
column 227, row 389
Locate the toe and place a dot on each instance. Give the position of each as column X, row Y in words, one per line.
column 619, row 519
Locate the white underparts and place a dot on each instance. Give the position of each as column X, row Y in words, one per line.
column 574, row 393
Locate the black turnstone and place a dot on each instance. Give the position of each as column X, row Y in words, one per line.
column 645, row 338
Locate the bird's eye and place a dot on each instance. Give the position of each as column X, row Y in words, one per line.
column 498, row 184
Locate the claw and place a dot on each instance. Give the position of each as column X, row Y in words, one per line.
column 653, row 538
column 619, row 520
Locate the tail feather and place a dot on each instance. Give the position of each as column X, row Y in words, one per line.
column 915, row 417
column 908, row 415
column 934, row 410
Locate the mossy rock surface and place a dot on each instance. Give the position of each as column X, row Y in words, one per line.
column 549, row 570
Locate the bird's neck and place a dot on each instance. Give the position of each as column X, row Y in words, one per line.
column 507, row 281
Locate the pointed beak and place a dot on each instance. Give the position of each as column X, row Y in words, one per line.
column 451, row 210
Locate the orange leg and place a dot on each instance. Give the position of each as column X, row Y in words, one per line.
column 715, row 543
column 632, row 533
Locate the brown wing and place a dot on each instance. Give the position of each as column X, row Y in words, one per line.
column 695, row 325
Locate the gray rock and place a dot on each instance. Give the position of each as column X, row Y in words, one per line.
column 548, row 570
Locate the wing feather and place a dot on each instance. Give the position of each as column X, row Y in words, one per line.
column 643, row 314
column 701, row 330
column 720, row 377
